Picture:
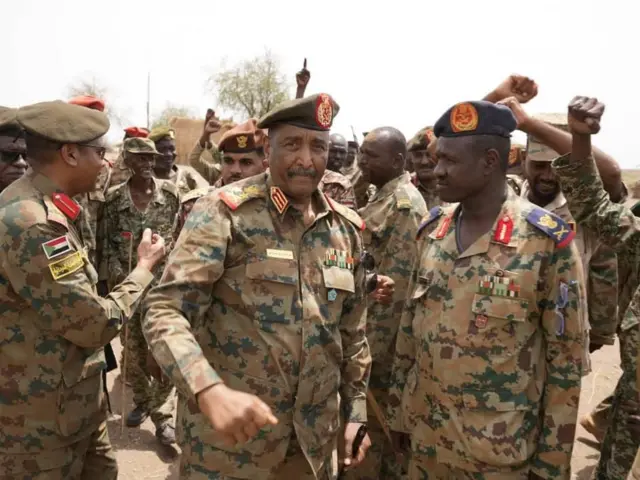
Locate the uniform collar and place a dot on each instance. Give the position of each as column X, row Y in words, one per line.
column 280, row 204
column 42, row 183
column 557, row 203
column 390, row 187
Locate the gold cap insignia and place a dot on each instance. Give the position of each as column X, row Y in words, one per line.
column 242, row 141
column 324, row 111
column 464, row 118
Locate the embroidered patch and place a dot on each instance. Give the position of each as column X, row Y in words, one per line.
column 464, row 118
column 552, row 226
column 279, row 199
column 66, row 205
column 504, row 230
column 56, row 247
column 324, row 111
column 66, row 266
column 242, row 141
column 481, row 321
column 332, row 295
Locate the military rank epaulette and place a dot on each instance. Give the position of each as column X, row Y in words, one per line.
column 235, row 195
column 347, row 213
column 552, row 225
column 434, row 214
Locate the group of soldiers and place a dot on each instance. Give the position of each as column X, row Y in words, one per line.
column 421, row 309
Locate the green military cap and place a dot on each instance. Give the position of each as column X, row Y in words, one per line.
column 536, row 150
column 140, row 145
column 160, row 133
column 421, row 140
column 62, row 122
column 315, row 112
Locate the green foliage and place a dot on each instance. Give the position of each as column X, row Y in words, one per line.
column 251, row 88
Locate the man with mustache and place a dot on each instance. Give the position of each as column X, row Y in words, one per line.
column 487, row 368
column 260, row 318
column 242, row 150
column 141, row 202
column 13, row 151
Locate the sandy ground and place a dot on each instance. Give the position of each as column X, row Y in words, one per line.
column 141, row 457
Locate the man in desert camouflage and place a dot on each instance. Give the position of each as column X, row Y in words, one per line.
column 542, row 188
column 184, row 177
column 583, row 184
column 392, row 217
column 141, row 202
column 52, row 405
column 421, row 157
column 13, row 152
column 260, row 317
column 488, row 359
column 205, row 156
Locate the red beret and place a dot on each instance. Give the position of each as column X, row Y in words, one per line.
column 89, row 102
column 136, row 132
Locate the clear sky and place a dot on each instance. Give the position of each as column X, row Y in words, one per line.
column 400, row 63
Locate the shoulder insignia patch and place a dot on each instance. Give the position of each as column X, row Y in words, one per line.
column 56, row 247
column 66, row 266
column 553, row 226
column 347, row 213
column 170, row 187
column 434, row 214
column 66, row 205
column 234, row 196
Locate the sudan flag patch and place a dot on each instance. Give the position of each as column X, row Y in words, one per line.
column 56, row 247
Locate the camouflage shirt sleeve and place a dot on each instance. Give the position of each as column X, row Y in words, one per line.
column 110, row 258
column 602, row 296
column 208, row 169
column 356, row 361
column 561, row 311
column 183, row 295
column 69, row 305
column 590, row 205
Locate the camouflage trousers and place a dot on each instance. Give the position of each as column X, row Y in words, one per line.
column 294, row 467
column 619, row 447
column 601, row 415
column 425, row 467
column 155, row 396
column 89, row 459
column 380, row 462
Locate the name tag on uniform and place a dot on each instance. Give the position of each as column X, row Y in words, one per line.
column 280, row 254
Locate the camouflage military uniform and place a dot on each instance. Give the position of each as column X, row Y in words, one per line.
column 205, row 162
column 124, row 225
column 54, row 325
column 272, row 307
column 392, row 218
column 337, row 187
column 430, row 196
column 359, row 184
column 488, row 357
column 617, row 227
column 186, row 205
column 120, row 173
column 600, row 268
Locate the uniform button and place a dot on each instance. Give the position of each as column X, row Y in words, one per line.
column 500, row 273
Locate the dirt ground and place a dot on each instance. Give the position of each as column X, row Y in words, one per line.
column 141, row 457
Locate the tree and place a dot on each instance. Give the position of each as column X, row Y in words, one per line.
column 91, row 86
column 170, row 111
column 252, row 88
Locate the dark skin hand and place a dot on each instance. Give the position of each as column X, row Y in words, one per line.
column 302, row 80
column 584, row 120
column 522, row 88
column 561, row 142
column 211, row 126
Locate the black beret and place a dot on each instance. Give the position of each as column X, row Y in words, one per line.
column 476, row 118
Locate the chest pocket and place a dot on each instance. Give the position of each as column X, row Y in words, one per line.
column 502, row 309
column 272, row 286
column 339, row 283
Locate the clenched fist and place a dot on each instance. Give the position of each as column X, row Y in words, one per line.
column 584, row 115
column 522, row 88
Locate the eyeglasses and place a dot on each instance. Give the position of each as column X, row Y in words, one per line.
column 101, row 151
column 10, row 157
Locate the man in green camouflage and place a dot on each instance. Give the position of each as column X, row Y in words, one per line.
column 585, row 189
column 423, row 166
column 260, row 317
column 487, row 366
column 141, row 202
column 54, row 324
column 392, row 217
column 184, row 177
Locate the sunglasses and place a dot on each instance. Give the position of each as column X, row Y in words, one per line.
column 11, row 157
